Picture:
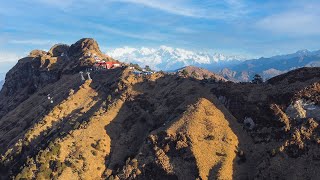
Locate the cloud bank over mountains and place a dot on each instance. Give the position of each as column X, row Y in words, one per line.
column 169, row 58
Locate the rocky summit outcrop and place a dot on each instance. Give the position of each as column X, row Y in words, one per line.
column 118, row 125
column 41, row 68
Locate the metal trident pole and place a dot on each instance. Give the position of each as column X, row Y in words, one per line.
column 82, row 78
column 88, row 73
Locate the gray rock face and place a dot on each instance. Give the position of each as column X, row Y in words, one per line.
column 1, row 84
column 303, row 109
column 24, row 79
column 248, row 121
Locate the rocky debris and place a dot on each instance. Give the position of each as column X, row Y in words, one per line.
column 303, row 109
column 310, row 93
column 296, row 111
column 223, row 100
column 302, row 139
column 248, row 122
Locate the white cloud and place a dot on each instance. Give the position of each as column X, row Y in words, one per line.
column 167, row 6
column 292, row 23
column 202, row 9
column 9, row 57
column 184, row 30
column 145, row 36
column 299, row 19
column 32, row 42
column 61, row 4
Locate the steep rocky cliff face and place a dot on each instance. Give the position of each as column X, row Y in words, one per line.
column 121, row 126
column 1, row 84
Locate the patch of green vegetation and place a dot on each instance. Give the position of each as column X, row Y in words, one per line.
column 96, row 145
column 77, row 125
column 44, row 172
column 147, row 68
column 57, row 166
column 185, row 72
column 194, row 74
column 110, row 177
column 24, row 174
column 109, row 98
column 94, row 152
column 55, row 149
column 257, row 79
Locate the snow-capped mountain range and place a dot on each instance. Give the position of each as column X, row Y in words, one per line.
column 169, row 58
column 236, row 68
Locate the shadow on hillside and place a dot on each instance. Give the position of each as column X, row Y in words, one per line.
column 137, row 118
column 58, row 129
column 159, row 103
column 24, row 117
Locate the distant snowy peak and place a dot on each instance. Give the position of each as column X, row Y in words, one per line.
column 168, row 58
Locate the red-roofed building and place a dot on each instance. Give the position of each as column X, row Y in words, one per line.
column 107, row 65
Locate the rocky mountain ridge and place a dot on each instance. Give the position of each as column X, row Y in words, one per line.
column 199, row 73
column 270, row 67
column 119, row 125
column 41, row 68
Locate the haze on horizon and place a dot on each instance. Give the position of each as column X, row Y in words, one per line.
column 233, row 27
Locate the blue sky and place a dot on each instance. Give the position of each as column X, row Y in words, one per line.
column 237, row 27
